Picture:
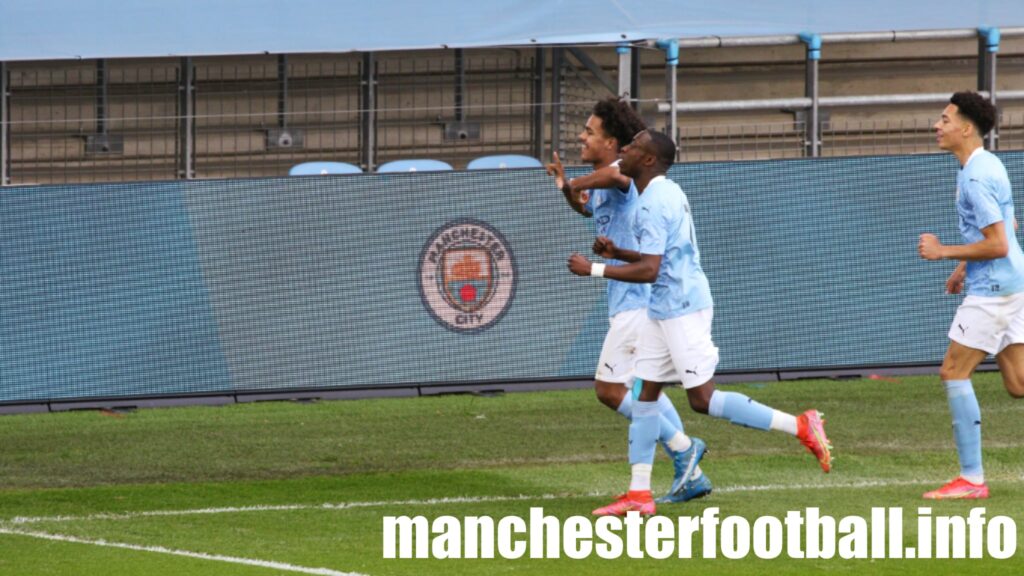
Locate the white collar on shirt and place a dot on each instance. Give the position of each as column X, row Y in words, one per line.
column 977, row 151
column 656, row 178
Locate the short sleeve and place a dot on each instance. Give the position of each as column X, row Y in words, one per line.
column 652, row 235
column 982, row 198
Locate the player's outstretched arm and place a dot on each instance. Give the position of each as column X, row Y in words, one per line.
column 607, row 177
column 575, row 200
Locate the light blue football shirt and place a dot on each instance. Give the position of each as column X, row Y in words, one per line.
column 613, row 211
column 664, row 226
column 984, row 197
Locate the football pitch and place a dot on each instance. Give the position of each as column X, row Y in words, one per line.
column 302, row 488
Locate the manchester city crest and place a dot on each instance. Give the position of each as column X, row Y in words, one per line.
column 467, row 276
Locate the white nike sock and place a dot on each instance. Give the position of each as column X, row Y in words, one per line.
column 641, row 477
column 783, row 422
column 974, row 478
column 679, row 443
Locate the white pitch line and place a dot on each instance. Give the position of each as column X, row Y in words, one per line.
column 199, row 555
column 850, row 485
column 284, row 507
column 19, row 520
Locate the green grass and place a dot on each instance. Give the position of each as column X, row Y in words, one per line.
column 562, row 451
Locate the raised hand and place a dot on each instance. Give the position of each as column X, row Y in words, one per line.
column 556, row 169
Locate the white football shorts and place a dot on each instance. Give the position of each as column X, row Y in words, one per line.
column 618, row 353
column 989, row 323
column 678, row 350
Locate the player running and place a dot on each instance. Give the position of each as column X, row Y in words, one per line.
column 675, row 342
column 991, row 271
column 612, row 204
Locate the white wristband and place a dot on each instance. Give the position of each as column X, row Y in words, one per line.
column 597, row 270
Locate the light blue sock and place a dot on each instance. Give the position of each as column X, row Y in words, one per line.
column 670, row 423
column 626, row 406
column 666, row 428
column 668, row 411
column 963, row 405
column 643, row 433
column 740, row 409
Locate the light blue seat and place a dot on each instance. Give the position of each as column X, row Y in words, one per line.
column 414, row 166
column 320, row 168
column 504, row 161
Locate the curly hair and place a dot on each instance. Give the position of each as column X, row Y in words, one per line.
column 977, row 109
column 618, row 119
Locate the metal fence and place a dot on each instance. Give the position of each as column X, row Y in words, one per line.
column 258, row 116
column 703, row 142
column 255, row 116
column 700, row 142
column 455, row 105
column 92, row 121
column 578, row 90
column 1011, row 131
column 776, row 140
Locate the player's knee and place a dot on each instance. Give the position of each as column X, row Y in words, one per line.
column 950, row 371
column 607, row 398
column 609, row 394
column 1014, row 386
column 699, row 404
column 700, row 397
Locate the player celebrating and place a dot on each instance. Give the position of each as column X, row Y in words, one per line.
column 991, row 318
column 611, row 204
column 675, row 342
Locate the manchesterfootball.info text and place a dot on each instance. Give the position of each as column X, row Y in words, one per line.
column 799, row 534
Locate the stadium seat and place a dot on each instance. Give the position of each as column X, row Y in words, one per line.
column 504, row 161
column 414, row 166
column 320, row 168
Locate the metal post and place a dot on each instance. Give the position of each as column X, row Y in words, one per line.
column 812, row 131
column 368, row 112
column 101, row 96
column 988, row 47
column 634, row 77
column 5, row 110
column 803, row 103
column 671, row 48
column 186, row 169
column 460, row 86
column 282, row 91
column 537, row 114
column 625, row 70
column 557, row 61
